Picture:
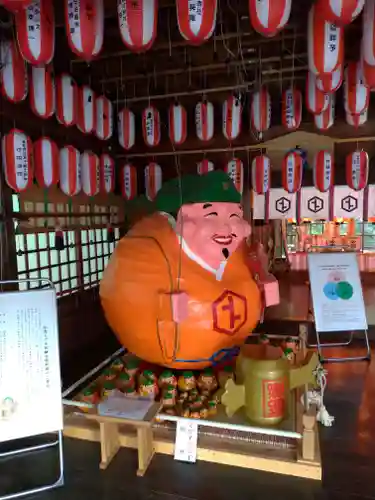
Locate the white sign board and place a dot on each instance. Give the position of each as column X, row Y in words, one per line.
column 30, row 384
column 185, row 448
column 314, row 204
column 347, row 203
column 336, row 292
column 282, row 205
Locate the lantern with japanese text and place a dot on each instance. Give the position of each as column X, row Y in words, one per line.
column 90, row 173
column 357, row 169
column 42, row 91
column 128, row 181
column 368, row 33
column 325, row 44
column 260, row 110
column 196, row 19
column 204, row 120
column 291, row 171
column 151, row 126
column 107, row 173
column 153, row 180
column 325, row 119
column 234, row 168
column 104, row 118
column 357, row 120
column 261, row 174
column 17, row 155
column 70, row 171
column 15, row 5
column 340, row 12
column 292, row 108
column 368, row 74
column 138, row 23
column 46, row 162
column 66, row 100
column 205, row 166
column 13, row 76
column 323, row 171
column 177, row 124
column 268, row 17
column 330, row 82
column 35, row 28
column 126, row 128
column 356, row 93
column 317, row 101
column 84, row 27
column 86, row 110
column 232, row 117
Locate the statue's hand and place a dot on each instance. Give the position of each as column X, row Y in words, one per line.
column 180, row 301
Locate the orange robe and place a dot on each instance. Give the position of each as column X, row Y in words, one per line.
column 147, row 266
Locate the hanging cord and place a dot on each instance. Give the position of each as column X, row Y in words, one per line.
column 317, row 397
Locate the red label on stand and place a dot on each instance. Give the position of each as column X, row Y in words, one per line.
column 273, row 396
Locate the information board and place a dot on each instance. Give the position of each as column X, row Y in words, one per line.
column 30, row 382
column 336, row 291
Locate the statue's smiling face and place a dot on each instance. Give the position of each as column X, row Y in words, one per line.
column 213, row 231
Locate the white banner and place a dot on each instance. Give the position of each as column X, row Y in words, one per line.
column 259, row 208
column 347, row 203
column 336, row 292
column 314, row 204
column 30, row 385
column 282, row 205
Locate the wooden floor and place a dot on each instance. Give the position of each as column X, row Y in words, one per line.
column 348, row 451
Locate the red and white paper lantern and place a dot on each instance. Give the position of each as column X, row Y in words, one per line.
column 323, row 171
column 205, row 166
column 177, row 124
column 90, row 173
column 260, row 110
column 46, row 162
column 138, row 23
column 292, row 108
column 15, row 5
column 42, row 91
column 35, row 28
column 341, row 12
column 196, row 19
column 86, row 110
column 317, row 101
column 357, row 120
column 368, row 73
column 84, row 27
column 234, row 168
column 291, row 171
column 325, row 43
column 104, row 118
column 66, row 100
column 204, row 120
column 126, row 128
column 356, row 93
column 17, row 155
column 70, row 171
column 232, row 117
column 357, row 169
column 330, row 82
column 128, row 181
column 153, row 180
column 151, row 126
column 268, row 17
column 261, row 174
column 107, row 173
column 13, row 76
column 368, row 33
column 325, row 120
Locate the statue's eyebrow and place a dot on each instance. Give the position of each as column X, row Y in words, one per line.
column 207, row 205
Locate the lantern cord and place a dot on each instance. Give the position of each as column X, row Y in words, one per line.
column 169, row 33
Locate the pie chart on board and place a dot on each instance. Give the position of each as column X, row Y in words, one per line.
column 330, row 290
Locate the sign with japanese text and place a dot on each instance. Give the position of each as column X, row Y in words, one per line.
column 30, row 384
column 185, row 448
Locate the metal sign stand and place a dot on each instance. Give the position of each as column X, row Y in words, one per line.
column 45, row 284
column 320, row 346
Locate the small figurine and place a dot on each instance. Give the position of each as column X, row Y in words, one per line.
column 172, row 389
column 212, row 408
column 108, row 388
column 197, row 404
column 168, row 399
column 130, row 392
column 290, row 343
column 225, row 374
column 148, row 388
column 90, row 395
column 193, row 394
column 117, row 365
column 132, row 366
column 263, row 339
column 186, row 381
column 207, row 380
column 109, row 374
column 124, row 380
column 203, row 413
column 167, row 378
column 148, row 375
column 288, row 354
